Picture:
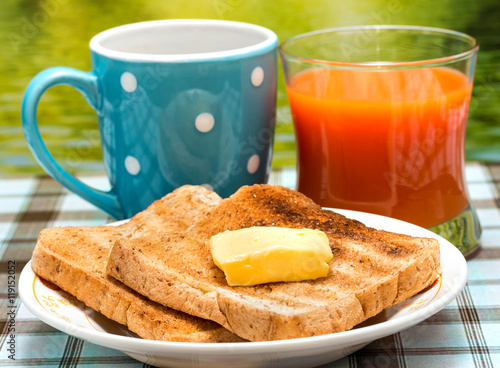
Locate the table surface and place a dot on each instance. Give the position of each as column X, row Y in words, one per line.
column 464, row 334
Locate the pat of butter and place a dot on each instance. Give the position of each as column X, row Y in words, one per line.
column 257, row 255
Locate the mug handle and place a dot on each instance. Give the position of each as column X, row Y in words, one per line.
column 86, row 84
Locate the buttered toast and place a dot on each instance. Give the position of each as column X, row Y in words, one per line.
column 371, row 269
column 75, row 258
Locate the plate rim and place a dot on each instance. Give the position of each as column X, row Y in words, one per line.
column 332, row 341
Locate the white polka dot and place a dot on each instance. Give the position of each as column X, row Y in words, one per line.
column 257, row 76
column 204, row 122
column 128, row 82
column 208, row 187
column 253, row 164
column 132, row 165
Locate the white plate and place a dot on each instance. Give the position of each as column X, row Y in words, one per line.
column 67, row 314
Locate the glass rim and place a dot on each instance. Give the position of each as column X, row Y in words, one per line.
column 385, row 64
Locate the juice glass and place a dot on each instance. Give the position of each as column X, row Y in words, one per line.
column 379, row 115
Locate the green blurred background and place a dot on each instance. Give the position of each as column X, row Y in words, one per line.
column 35, row 35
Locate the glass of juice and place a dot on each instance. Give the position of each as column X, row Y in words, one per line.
column 379, row 115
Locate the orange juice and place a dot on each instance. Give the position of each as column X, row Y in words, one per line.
column 383, row 141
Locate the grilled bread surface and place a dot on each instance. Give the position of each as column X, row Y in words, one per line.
column 371, row 269
column 75, row 258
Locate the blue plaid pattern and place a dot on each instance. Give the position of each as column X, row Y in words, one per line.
column 464, row 334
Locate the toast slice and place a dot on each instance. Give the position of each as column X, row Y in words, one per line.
column 75, row 258
column 371, row 269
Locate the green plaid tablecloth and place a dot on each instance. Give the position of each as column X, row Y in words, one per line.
column 465, row 334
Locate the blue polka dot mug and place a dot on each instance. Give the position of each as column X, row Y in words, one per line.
column 178, row 101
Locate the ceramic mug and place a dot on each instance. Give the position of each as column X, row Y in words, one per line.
column 179, row 102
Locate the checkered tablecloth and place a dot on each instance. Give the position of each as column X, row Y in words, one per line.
column 465, row 334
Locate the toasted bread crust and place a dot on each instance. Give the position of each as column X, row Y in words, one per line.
column 75, row 258
column 371, row 269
